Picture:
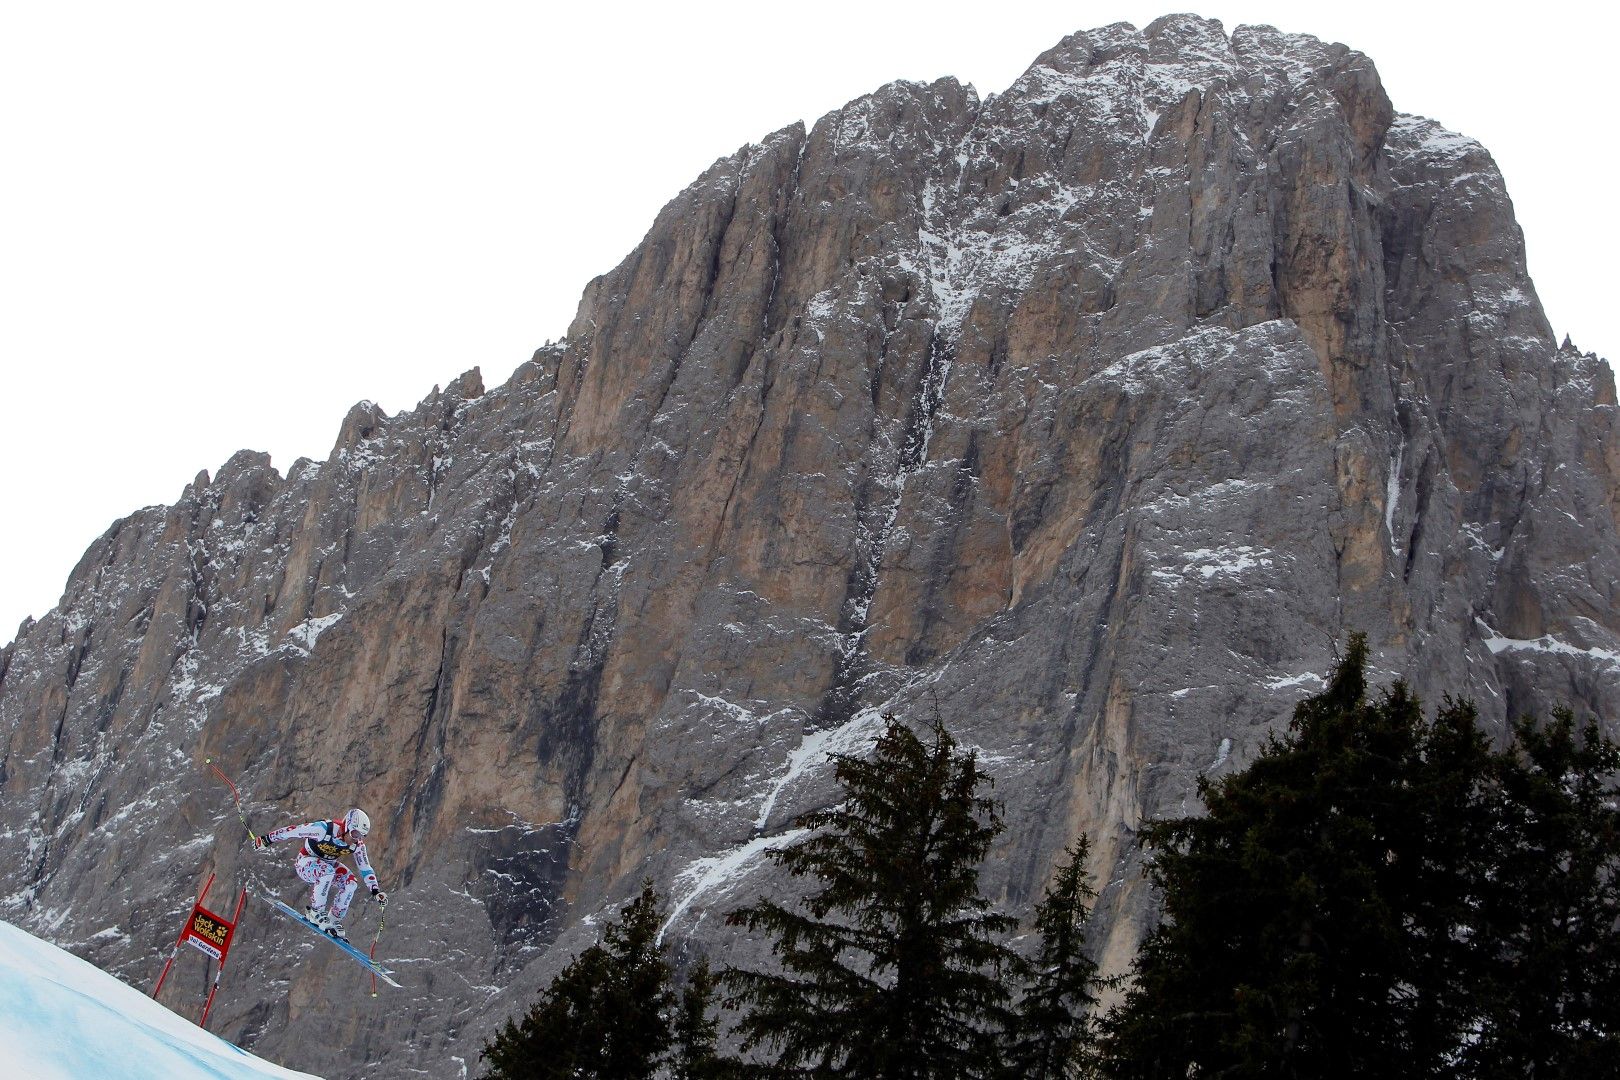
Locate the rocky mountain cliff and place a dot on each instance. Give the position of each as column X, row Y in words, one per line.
column 1092, row 415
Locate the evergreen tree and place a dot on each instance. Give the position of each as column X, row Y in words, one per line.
column 1311, row 916
column 1377, row 895
column 697, row 1031
column 890, row 968
column 1549, row 998
column 552, row 1042
column 605, row 1017
column 1055, row 1036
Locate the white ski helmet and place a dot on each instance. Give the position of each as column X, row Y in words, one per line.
column 357, row 824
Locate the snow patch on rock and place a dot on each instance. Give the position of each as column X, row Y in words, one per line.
column 308, row 632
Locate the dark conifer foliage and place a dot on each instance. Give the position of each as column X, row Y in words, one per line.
column 1549, row 992
column 892, row 968
column 607, row 1015
column 1054, row 1035
column 697, row 1031
column 1377, row 894
column 1277, row 944
column 1380, row 895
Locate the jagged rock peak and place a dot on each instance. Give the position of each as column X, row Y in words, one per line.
column 364, row 419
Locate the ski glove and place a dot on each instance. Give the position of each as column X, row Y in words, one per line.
column 380, row 896
column 261, row 843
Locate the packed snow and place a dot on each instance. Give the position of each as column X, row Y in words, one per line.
column 308, row 632
column 718, row 873
column 64, row 1019
column 1289, row 682
column 1445, row 147
column 1207, row 562
column 722, row 871
column 1547, row 643
column 1392, row 497
column 816, row 749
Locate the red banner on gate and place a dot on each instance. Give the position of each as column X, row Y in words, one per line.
column 208, row 932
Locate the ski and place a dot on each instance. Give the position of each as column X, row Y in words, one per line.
column 359, row 957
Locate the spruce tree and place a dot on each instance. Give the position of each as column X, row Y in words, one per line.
column 554, row 1040
column 605, row 1017
column 891, row 968
column 1380, row 895
column 1549, row 991
column 1311, row 917
column 696, row 1030
column 1055, row 1036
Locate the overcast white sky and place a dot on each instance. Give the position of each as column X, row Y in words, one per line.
column 222, row 223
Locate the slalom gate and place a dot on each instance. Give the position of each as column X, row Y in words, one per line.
column 209, row 934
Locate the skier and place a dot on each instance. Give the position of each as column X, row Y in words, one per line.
column 325, row 842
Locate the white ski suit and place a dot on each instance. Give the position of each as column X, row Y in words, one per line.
column 325, row 842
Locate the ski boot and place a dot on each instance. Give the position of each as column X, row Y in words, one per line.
column 335, row 929
column 319, row 919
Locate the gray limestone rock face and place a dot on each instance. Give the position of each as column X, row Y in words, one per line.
column 1093, row 415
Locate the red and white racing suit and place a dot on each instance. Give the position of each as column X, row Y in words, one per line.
column 325, row 842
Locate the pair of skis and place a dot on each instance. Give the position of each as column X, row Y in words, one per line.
column 354, row 954
column 367, row 962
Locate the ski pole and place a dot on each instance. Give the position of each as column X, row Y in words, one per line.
column 234, row 795
column 382, row 917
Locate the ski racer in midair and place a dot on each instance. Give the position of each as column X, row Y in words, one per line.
column 326, row 842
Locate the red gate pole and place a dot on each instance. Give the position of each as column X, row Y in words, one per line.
column 181, row 940
column 381, row 918
column 236, row 917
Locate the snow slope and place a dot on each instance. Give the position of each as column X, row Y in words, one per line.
column 63, row 1019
